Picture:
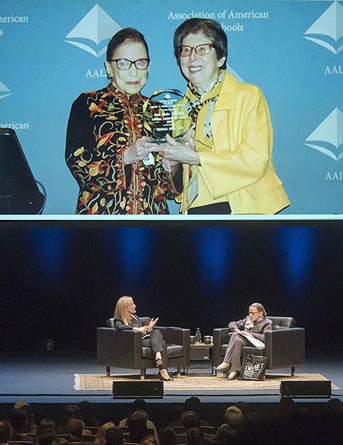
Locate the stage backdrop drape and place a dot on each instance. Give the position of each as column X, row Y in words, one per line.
column 62, row 281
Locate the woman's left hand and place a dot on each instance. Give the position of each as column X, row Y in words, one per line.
column 169, row 166
column 139, row 150
column 175, row 152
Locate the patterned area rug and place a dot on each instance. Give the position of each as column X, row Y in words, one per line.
column 195, row 382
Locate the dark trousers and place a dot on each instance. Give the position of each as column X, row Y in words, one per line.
column 157, row 344
column 221, row 208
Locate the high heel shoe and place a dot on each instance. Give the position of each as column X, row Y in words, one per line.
column 232, row 376
column 164, row 379
column 222, row 367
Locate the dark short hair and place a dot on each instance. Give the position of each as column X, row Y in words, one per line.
column 70, row 412
column 18, row 419
column 192, row 404
column 167, row 436
column 114, row 436
column 46, row 424
column 190, row 419
column 210, row 28
column 195, row 436
column 46, row 437
column 126, row 34
column 137, row 425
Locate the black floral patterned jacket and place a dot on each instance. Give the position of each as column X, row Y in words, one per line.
column 101, row 125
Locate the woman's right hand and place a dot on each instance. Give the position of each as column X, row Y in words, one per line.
column 139, row 150
column 142, row 329
column 175, row 152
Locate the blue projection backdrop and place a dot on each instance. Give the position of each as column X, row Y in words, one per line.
column 51, row 51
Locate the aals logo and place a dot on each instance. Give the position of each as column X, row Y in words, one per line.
column 95, row 27
column 4, row 91
column 327, row 30
column 328, row 136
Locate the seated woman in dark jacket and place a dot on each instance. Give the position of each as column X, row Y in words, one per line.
column 125, row 318
column 253, row 325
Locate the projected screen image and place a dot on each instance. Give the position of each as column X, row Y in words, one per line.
column 271, row 150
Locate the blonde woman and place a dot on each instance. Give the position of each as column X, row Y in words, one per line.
column 125, row 318
column 100, row 438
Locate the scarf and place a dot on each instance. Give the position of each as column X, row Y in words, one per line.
column 250, row 324
column 196, row 101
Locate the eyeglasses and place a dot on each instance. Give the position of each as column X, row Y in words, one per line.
column 253, row 313
column 200, row 50
column 125, row 64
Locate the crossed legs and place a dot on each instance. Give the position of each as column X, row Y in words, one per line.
column 232, row 358
column 233, row 352
column 159, row 349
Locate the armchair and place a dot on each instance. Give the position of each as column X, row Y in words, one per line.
column 124, row 349
column 284, row 344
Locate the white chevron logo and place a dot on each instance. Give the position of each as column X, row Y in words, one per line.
column 234, row 73
column 4, row 91
column 328, row 136
column 327, row 30
column 93, row 31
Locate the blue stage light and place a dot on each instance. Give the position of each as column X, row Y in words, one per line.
column 48, row 250
column 214, row 247
column 133, row 248
column 297, row 247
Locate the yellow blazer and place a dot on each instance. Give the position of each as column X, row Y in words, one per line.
column 236, row 167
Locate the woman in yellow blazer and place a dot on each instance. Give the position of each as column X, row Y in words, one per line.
column 227, row 161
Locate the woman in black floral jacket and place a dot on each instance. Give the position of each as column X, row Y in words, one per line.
column 107, row 149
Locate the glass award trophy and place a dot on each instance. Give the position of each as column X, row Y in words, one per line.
column 163, row 114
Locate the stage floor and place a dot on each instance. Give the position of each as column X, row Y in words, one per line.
column 49, row 378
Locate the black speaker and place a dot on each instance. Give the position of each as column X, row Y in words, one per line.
column 141, row 388
column 19, row 192
column 315, row 388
